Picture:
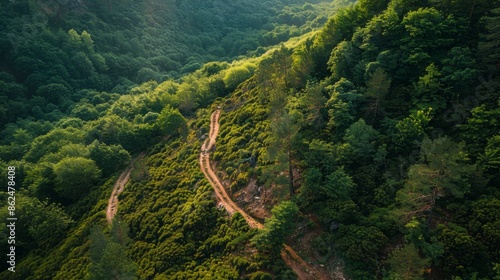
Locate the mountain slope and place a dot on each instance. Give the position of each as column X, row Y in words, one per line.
column 371, row 145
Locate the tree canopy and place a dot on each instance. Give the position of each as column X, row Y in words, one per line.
column 372, row 134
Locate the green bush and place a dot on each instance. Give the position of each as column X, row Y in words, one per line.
column 236, row 75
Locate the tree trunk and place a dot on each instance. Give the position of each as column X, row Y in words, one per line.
column 290, row 170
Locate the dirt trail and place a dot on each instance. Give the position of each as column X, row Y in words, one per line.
column 118, row 189
column 208, row 170
column 304, row 270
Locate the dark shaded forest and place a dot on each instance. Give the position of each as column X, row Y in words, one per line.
column 377, row 134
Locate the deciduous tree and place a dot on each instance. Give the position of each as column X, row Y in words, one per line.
column 75, row 176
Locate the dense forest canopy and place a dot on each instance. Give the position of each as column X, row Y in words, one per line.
column 372, row 145
column 53, row 52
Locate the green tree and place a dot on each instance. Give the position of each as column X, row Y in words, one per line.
column 343, row 106
column 109, row 158
column 236, row 75
column 314, row 102
column 55, row 93
column 458, row 73
column 444, row 172
column 411, row 130
column 377, row 88
column 108, row 255
column 484, row 224
column 489, row 46
column 52, row 142
column 44, row 225
column 338, row 185
column 66, row 151
column 275, row 72
column 74, row 39
column 75, row 176
column 491, row 156
column 481, row 126
column 463, row 255
column 82, row 65
column 284, row 128
column 303, row 63
column 342, row 61
column 426, row 29
column 87, row 41
column 360, row 141
column 359, row 246
column 171, row 120
column 187, row 95
column 47, row 223
column 406, row 263
column 339, row 28
column 320, row 159
column 86, row 112
column 428, row 91
column 276, row 228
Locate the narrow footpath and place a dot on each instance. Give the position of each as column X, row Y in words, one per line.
column 118, row 189
column 304, row 270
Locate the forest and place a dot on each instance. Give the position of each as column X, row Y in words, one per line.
column 364, row 134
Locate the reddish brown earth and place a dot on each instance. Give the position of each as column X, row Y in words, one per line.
column 224, row 199
column 253, row 199
column 118, row 189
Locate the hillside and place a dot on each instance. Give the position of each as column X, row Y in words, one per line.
column 370, row 147
column 54, row 53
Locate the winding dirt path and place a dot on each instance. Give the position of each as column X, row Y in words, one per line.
column 304, row 270
column 209, row 172
column 118, row 189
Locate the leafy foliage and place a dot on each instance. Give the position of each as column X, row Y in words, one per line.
column 74, row 176
column 276, row 228
column 383, row 124
column 407, row 264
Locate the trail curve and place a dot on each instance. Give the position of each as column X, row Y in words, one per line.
column 304, row 270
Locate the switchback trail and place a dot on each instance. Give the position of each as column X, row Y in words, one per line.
column 118, row 189
column 304, row 270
